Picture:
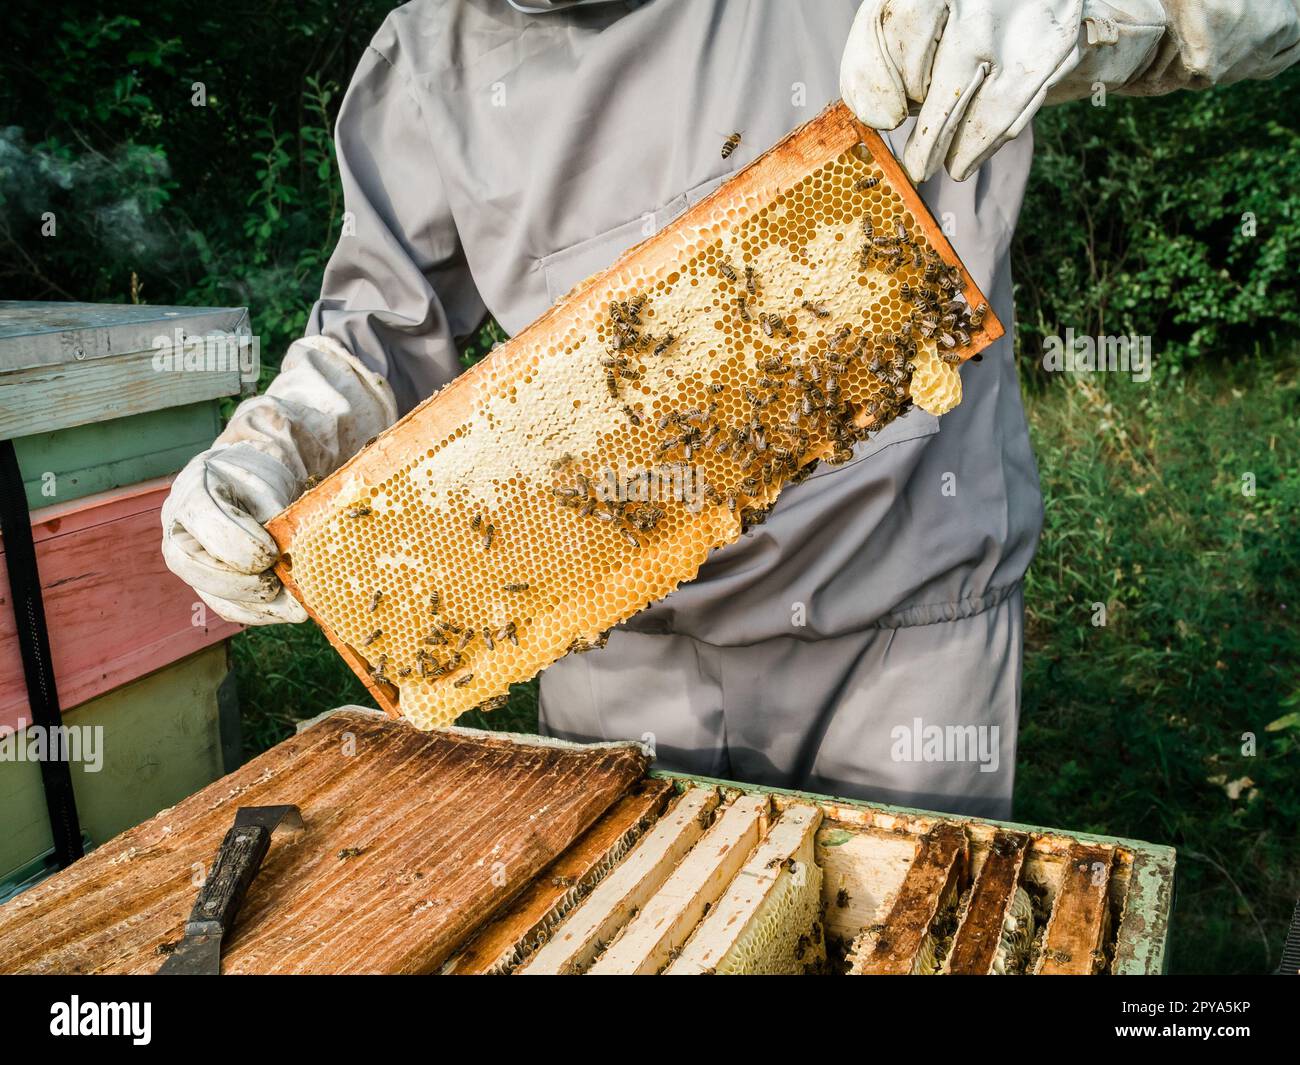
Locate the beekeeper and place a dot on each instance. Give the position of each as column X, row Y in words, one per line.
column 493, row 154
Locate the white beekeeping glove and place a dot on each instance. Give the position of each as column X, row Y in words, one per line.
column 318, row 412
column 980, row 69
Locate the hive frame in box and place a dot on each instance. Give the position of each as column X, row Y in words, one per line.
column 817, row 143
column 1141, row 885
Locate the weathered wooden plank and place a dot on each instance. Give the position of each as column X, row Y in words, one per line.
column 980, row 931
column 56, row 332
column 412, row 841
column 80, row 461
column 607, row 909
column 766, row 921
column 648, row 941
column 114, row 610
column 528, row 921
column 43, row 399
column 1144, row 920
column 940, row 864
column 1077, row 927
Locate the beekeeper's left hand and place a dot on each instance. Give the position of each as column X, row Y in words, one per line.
column 979, row 69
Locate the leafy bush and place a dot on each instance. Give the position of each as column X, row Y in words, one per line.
column 1139, row 220
column 160, row 200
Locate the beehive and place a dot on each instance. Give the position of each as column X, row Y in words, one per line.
column 589, row 466
column 728, row 888
column 480, row 853
column 735, row 879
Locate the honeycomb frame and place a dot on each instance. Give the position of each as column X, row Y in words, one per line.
column 501, row 491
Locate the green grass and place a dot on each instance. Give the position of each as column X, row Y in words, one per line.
column 1138, row 728
column 1133, row 728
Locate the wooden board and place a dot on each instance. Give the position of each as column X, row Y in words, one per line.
column 607, row 909
column 114, row 610
column 650, row 939
column 980, row 932
column 73, row 463
column 940, row 863
column 56, row 397
column 528, row 921
column 825, row 138
column 412, row 841
column 1077, row 926
column 786, row 852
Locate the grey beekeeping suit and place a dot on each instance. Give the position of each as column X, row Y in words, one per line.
column 491, row 158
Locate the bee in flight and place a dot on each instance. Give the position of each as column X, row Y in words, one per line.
column 730, row 145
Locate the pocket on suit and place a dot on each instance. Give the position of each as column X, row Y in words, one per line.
column 567, row 267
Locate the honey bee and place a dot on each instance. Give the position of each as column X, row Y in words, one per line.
column 751, row 281
column 487, row 639
column 766, row 322
column 564, row 460
column 372, row 637
column 375, row 596
column 977, row 315
column 816, row 309
column 495, row 703
column 632, row 415
column 435, row 600
column 730, row 145
column 717, row 388
column 516, row 586
column 460, row 682
column 378, row 672
column 475, row 522
column 466, row 638
column 665, row 344
column 862, row 184
column 611, row 383
column 488, row 533
column 507, row 632
column 742, row 307
column 630, row 537
column 360, row 510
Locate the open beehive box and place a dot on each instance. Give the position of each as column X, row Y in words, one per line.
column 711, row 877
column 590, row 465
column 483, row 853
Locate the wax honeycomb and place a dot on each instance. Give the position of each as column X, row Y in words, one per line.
column 596, row 468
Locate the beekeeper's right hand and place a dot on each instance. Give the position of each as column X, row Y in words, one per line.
column 318, row 412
